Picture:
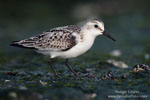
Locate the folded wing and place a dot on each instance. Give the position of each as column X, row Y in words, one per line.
column 57, row 39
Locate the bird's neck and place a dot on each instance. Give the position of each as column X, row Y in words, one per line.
column 87, row 39
column 87, row 35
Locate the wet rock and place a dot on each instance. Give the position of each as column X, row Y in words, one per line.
column 108, row 76
column 111, row 76
column 91, row 96
column 91, row 76
column 89, row 69
column 43, row 82
column 87, row 75
column 23, row 88
column 123, row 77
column 141, row 68
column 141, row 71
column 119, row 64
column 7, row 81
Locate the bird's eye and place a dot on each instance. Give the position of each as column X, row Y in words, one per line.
column 96, row 26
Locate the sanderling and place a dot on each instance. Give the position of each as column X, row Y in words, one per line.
column 65, row 42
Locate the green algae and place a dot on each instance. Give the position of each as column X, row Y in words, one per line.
column 28, row 75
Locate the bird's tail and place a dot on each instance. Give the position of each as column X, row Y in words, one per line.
column 22, row 44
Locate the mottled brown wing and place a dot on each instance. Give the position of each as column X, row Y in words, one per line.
column 58, row 39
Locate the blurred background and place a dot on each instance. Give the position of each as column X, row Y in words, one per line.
column 128, row 21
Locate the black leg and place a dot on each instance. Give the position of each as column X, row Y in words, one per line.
column 70, row 68
column 52, row 67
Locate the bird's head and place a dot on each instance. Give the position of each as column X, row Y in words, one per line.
column 96, row 28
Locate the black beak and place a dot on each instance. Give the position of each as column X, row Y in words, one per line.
column 108, row 35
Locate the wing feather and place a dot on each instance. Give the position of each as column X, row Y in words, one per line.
column 57, row 39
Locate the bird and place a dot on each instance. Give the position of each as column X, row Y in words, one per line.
column 65, row 42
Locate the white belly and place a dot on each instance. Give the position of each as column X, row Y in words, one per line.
column 81, row 47
column 75, row 51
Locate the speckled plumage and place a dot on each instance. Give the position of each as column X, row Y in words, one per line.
column 65, row 42
column 57, row 39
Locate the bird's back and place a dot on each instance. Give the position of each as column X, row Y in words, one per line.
column 57, row 39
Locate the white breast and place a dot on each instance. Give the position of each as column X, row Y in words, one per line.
column 77, row 50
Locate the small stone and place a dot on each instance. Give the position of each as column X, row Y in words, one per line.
column 119, row 64
column 89, row 69
column 13, row 94
column 23, row 88
column 91, row 76
column 108, row 76
column 123, row 77
column 91, row 96
column 7, row 81
column 115, row 53
column 141, row 67
column 43, row 83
